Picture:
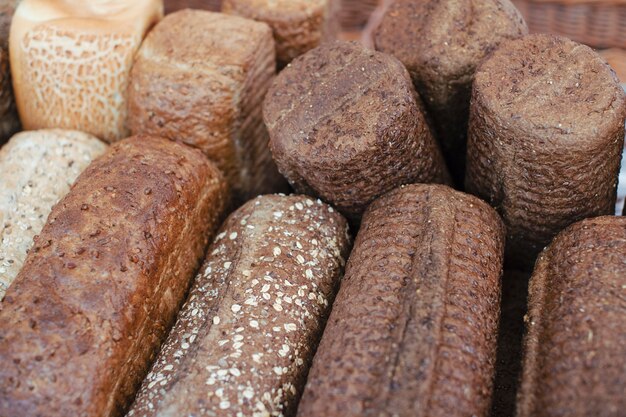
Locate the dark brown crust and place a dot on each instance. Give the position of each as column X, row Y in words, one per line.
column 102, row 284
column 200, row 78
column 244, row 340
column 441, row 43
column 413, row 329
column 174, row 5
column 546, row 134
column 346, row 125
column 9, row 120
column 576, row 329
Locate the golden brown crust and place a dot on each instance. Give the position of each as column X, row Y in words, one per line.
column 103, row 282
column 576, row 329
column 413, row 330
column 200, row 78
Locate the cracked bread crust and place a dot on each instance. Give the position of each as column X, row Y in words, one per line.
column 102, row 285
column 414, row 326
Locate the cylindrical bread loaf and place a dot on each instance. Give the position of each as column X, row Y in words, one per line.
column 200, row 77
column 175, row 5
column 413, row 329
column 546, row 134
column 441, row 43
column 298, row 25
column 575, row 341
column 71, row 61
column 244, row 340
column 102, row 285
column 37, row 169
column 346, row 125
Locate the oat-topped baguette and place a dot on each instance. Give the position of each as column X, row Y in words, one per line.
column 413, row 330
column 346, row 125
column 104, row 280
column 71, row 60
column 37, row 169
column 200, row 77
column 575, row 341
column 244, row 340
column 298, row 25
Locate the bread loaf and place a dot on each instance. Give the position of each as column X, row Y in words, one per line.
column 200, row 77
column 441, row 43
column 346, row 125
column 9, row 120
column 37, row 169
column 104, row 280
column 244, row 340
column 175, row 5
column 354, row 13
column 71, row 61
column 298, row 25
column 413, row 329
column 575, row 339
column 546, row 134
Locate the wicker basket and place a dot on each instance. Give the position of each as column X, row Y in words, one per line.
column 598, row 23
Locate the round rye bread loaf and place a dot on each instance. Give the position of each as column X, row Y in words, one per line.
column 441, row 43
column 346, row 125
column 546, row 132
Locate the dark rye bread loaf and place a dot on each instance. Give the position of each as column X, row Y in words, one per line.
column 546, row 133
column 346, row 125
column 413, row 329
column 200, row 78
column 441, row 43
column 244, row 340
column 100, row 288
column 575, row 343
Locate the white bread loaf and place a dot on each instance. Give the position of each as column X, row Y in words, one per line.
column 37, row 169
column 71, row 61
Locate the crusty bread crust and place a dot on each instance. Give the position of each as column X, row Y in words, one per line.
column 575, row 339
column 104, row 280
column 244, row 340
column 413, row 329
column 37, row 169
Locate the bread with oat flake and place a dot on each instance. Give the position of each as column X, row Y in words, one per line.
column 244, row 340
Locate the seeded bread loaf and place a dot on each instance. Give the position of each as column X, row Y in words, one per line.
column 244, row 340
column 441, row 43
column 83, row 319
column 575, row 341
column 298, row 25
column 546, row 134
column 200, row 77
column 37, row 169
column 346, row 125
column 71, row 60
column 413, row 329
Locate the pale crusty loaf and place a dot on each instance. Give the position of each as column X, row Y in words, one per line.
column 298, row 25
column 37, row 169
column 244, row 340
column 102, row 285
column 200, row 77
column 71, row 61
column 575, row 341
column 413, row 330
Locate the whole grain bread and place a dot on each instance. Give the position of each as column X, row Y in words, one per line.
column 244, row 340
column 102, row 285
column 37, row 169
column 71, row 61
column 200, row 77
column 575, row 339
column 546, row 133
column 298, row 25
column 413, row 329
column 441, row 43
column 355, row 13
column 346, row 125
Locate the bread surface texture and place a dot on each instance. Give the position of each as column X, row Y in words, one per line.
column 37, row 169
column 413, row 329
column 245, row 338
column 103, row 282
column 576, row 324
